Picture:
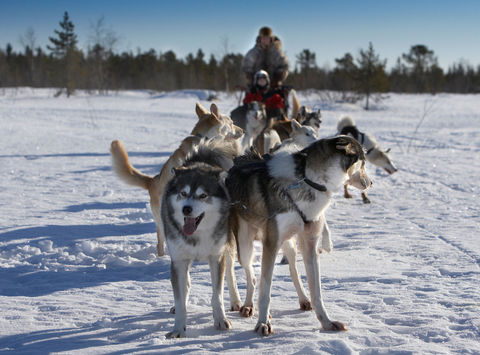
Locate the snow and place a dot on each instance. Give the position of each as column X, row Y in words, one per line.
column 78, row 270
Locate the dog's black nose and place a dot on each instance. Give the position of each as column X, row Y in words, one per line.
column 187, row 210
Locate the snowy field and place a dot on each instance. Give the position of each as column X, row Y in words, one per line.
column 78, row 270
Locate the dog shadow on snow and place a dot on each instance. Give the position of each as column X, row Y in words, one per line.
column 144, row 332
column 83, row 155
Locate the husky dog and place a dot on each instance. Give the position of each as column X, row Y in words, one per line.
column 307, row 117
column 285, row 195
column 346, row 125
column 240, row 115
column 210, row 124
column 195, row 209
column 300, row 137
column 256, row 120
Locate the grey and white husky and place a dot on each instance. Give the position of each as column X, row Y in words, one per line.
column 307, row 117
column 256, row 121
column 346, row 125
column 195, row 209
column 286, row 195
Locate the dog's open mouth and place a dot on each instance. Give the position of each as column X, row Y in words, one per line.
column 191, row 224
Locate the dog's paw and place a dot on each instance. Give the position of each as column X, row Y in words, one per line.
column 334, row 327
column 176, row 334
column 172, row 310
column 347, row 195
column 235, row 307
column 327, row 245
column 264, row 329
column 366, row 200
column 321, row 250
column 223, row 324
column 305, row 305
column 246, row 311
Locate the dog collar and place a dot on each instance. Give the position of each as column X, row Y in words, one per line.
column 309, row 182
column 314, row 185
column 301, row 162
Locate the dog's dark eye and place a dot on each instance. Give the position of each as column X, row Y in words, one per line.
column 202, row 196
column 183, row 194
column 308, row 134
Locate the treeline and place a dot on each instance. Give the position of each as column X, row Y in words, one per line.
column 65, row 66
column 98, row 69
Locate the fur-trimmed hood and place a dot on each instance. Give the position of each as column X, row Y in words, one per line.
column 276, row 42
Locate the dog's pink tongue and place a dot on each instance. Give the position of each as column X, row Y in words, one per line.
column 189, row 227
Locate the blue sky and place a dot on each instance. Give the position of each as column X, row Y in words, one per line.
column 328, row 28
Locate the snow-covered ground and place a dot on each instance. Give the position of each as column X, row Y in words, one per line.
column 78, row 270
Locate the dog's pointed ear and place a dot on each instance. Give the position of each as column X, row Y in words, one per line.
column 295, row 125
column 214, row 110
column 388, row 150
column 347, row 148
column 343, row 144
column 200, row 110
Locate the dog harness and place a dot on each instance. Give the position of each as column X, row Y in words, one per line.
column 261, row 165
column 301, row 161
column 289, row 198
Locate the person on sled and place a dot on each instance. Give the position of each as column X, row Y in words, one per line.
column 267, row 54
column 273, row 98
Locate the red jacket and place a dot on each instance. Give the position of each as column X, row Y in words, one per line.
column 272, row 102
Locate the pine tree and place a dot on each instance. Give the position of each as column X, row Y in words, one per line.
column 307, row 66
column 66, row 38
column 343, row 77
column 419, row 62
column 371, row 77
column 64, row 49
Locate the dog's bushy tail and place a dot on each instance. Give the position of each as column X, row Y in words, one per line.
column 125, row 170
column 344, row 121
column 295, row 104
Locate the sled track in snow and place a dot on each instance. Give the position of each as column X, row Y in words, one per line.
column 450, row 243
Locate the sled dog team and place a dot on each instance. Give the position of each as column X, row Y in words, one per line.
column 267, row 197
